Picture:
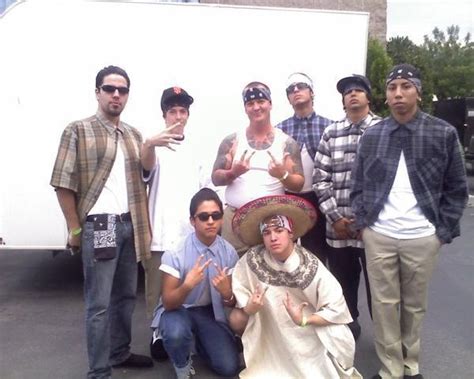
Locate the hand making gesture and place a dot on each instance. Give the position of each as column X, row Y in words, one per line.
column 196, row 274
column 241, row 166
column 295, row 311
column 255, row 302
column 222, row 282
column 165, row 138
column 278, row 169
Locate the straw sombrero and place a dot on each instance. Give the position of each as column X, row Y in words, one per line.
column 247, row 218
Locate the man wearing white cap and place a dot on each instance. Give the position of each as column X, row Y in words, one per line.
column 311, row 338
column 257, row 161
column 307, row 127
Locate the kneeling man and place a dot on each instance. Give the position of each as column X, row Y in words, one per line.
column 196, row 287
column 290, row 309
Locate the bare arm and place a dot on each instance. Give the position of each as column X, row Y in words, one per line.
column 163, row 138
column 174, row 292
column 67, row 202
column 222, row 174
column 291, row 164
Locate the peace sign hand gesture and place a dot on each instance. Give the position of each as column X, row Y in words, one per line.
column 222, row 282
column 196, row 274
column 278, row 169
column 255, row 303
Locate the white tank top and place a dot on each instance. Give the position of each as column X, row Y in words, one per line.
column 256, row 182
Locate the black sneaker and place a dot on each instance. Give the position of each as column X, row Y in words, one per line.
column 157, row 349
column 135, row 361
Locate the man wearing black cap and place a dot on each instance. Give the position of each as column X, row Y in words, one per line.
column 332, row 175
column 257, row 161
column 408, row 194
column 174, row 177
column 306, row 127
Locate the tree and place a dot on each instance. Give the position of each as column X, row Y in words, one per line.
column 378, row 65
column 451, row 63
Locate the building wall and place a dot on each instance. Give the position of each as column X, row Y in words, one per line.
column 376, row 8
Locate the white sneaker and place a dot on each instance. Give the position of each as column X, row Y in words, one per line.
column 185, row 372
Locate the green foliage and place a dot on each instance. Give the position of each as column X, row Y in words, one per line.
column 378, row 65
column 446, row 64
column 451, row 63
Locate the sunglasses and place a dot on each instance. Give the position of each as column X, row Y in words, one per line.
column 111, row 89
column 204, row 216
column 299, row 86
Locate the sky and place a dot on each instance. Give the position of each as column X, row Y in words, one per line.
column 415, row 18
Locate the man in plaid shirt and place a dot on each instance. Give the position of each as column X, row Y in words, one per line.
column 332, row 178
column 306, row 127
column 408, row 194
column 97, row 178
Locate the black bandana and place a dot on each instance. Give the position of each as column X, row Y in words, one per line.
column 256, row 93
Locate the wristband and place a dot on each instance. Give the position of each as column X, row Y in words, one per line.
column 304, row 321
column 76, row 231
column 228, row 300
column 285, row 175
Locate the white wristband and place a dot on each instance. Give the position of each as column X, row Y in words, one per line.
column 285, row 175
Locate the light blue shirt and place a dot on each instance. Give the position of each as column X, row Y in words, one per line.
column 179, row 262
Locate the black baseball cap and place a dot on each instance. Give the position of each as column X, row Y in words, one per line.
column 354, row 81
column 175, row 96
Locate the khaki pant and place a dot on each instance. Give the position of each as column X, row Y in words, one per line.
column 152, row 281
column 229, row 235
column 399, row 272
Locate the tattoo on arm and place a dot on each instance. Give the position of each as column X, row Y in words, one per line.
column 225, row 153
column 295, row 155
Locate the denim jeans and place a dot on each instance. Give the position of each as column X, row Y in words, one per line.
column 215, row 342
column 110, row 288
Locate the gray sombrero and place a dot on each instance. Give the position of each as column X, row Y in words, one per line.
column 247, row 218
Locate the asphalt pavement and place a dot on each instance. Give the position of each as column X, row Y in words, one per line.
column 42, row 313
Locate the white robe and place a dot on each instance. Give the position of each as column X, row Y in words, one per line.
column 274, row 347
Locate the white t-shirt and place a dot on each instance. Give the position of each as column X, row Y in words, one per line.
column 113, row 199
column 176, row 179
column 401, row 217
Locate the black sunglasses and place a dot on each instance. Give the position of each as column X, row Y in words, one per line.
column 111, row 89
column 300, row 86
column 204, row 216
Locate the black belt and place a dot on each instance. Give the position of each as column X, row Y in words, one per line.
column 118, row 218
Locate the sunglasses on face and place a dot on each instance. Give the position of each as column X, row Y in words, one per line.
column 204, row 216
column 111, row 89
column 300, row 86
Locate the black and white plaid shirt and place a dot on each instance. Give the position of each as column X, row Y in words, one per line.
column 435, row 167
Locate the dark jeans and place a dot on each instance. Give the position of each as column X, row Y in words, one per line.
column 315, row 239
column 346, row 263
column 110, row 288
column 215, row 342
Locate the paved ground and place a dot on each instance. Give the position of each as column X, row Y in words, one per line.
column 42, row 334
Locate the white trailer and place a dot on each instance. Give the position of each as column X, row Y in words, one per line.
column 50, row 52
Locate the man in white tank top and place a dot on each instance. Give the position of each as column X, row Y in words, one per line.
column 258, row 161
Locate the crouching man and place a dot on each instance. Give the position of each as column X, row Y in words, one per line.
column 195, row 289
column 290, row 309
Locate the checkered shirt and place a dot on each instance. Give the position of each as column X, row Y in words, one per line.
column 85, row 158
column 332, row 173
column 435, row 167
column 306, row 130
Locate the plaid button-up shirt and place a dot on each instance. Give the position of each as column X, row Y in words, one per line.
column 305, row 130
column 332, row 173
column 85, row 158
column 435, row 167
